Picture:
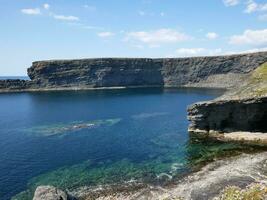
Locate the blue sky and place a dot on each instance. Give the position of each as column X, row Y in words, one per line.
column 64, row 29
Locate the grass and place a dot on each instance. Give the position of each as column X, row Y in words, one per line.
column 256, row 85
column 260, row 74
column 251, row 192
column 259, row 77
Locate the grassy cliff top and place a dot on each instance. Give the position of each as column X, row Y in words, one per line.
column 254, row 86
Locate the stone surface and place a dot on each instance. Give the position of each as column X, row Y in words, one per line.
column 49, row 193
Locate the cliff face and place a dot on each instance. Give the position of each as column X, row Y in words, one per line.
column 229, row 115
column 240, row 114
column 220, row 71
column 96, row 73
column 217, row 71
column 10, row 85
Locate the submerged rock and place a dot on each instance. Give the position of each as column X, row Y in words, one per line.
column 49, row 193
column 206, row 184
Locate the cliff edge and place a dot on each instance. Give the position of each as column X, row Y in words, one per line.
column 239, row 115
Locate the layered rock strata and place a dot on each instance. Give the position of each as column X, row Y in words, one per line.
column 239, row 115
column 217, row 71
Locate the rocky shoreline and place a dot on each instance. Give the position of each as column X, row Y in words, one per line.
column 239, row 115
column 206, row 184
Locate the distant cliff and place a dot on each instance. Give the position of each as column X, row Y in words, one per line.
column 217, row 71
column 220, row 71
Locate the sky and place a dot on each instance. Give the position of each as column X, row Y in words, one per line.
column 34, row 30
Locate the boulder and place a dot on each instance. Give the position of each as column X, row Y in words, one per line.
column 49, row 193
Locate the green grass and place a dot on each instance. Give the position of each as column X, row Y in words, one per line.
column 251, row 192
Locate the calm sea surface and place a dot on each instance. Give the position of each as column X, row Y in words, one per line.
column 14, row 77
column 71, row 139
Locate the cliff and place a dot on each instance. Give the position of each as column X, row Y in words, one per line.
column 220, row 71
column 217, row 71
column 239, row 115
column 14, row 85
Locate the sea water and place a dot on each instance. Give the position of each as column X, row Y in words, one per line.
column 78, row 138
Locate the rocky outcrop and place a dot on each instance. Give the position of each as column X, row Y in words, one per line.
column 206, row 184
column 239, row 115
column 11, row 85
column 220, row 119
column 49, row 193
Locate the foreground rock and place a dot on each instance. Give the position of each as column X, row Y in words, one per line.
column 49, row 193
column 217, row 71
column 206, row 184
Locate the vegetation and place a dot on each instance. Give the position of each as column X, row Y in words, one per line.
column 251, row 192
column 256, row 86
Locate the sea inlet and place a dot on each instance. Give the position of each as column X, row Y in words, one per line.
column 85, row 138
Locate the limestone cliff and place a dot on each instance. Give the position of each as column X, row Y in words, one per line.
column 217, row 71
column 240, row 114
column 12, row 85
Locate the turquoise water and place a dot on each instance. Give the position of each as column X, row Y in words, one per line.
column 71, row 139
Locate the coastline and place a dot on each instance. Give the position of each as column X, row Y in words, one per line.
column 205, row 184
column 237, row 116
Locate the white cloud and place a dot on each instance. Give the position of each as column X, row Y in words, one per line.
column 90, row 8
column 31, row 11
column 157, row 37
column 46, row 6
column 250, row 37
column 254, row 50
column 92, row 27
column 231, row 2
column 246, row 51
column 185, row 52
column 189, row 51
column 105, row 34
column 252, row 6
column 66, row 18
column 212, row 35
